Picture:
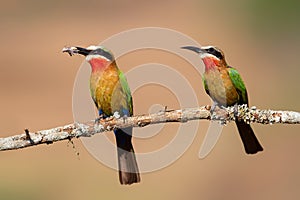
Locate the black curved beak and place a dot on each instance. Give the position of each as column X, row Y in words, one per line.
column 76, row 50
column 194, row 49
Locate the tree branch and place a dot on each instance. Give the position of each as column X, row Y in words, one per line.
column 75, row 130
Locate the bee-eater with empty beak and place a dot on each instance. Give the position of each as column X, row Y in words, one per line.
column 226, row 88
column 111, row 93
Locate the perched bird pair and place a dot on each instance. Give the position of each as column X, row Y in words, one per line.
column 111, row 93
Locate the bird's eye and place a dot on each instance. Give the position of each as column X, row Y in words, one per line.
column 210, row 50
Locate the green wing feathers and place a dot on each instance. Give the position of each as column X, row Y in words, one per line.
column 127, row 92
column 205, row 85
column 239, row 85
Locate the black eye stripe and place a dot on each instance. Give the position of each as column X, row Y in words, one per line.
column 101, row 52
column 215, row 52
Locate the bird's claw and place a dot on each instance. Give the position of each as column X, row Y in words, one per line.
column 215, row 114
column 236, row 110
column 212, row 110
column 97, row 120
column 125, row 118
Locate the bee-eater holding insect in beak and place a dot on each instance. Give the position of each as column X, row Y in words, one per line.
column 226, row 88
column 111, row 94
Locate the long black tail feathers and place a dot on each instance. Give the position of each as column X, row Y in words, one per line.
column 128, row 168
column 251, row 143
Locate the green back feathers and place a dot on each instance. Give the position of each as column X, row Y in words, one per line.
column 126, row 90
column 239, row 85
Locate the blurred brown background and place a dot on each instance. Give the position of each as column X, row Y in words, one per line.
column 260, row 38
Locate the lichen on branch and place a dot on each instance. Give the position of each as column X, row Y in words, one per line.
column 75, row 130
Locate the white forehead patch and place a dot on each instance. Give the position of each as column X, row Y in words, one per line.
column 92, row 56
column 93, row 47
column 207, row 47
